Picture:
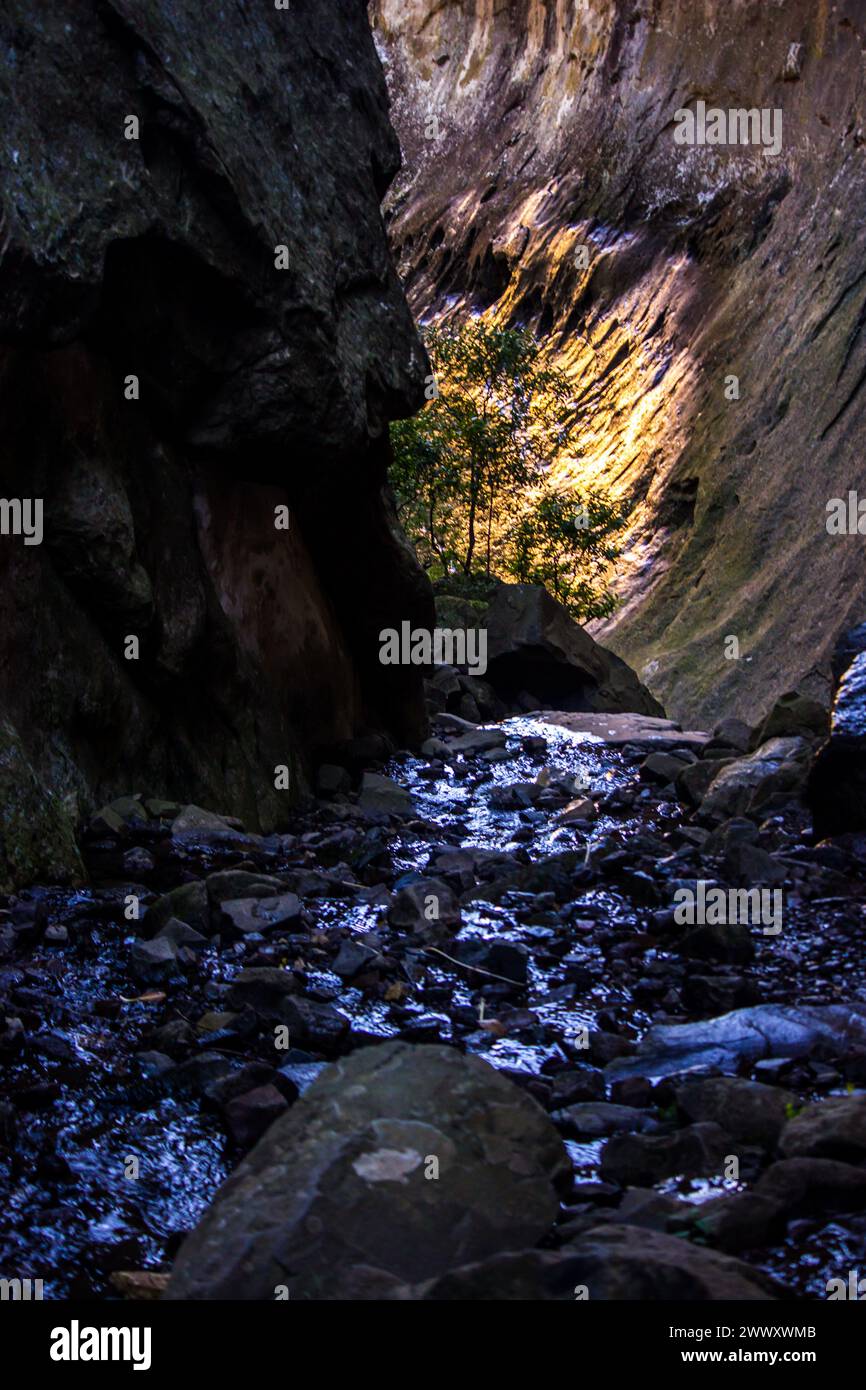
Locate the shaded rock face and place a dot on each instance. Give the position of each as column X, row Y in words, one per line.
column 343, row 1186
column 257, row 387
column 556, row 126
column 534, row 646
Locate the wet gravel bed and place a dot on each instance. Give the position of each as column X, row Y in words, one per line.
column 132, row 1081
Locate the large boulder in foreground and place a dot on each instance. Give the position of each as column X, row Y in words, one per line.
column 535, row 647
column 338, row 1187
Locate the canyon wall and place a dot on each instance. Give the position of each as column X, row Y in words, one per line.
column 542, row 185
column 169, row 379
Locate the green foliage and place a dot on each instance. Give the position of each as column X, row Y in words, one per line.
column 470, row 474
column 568, row 548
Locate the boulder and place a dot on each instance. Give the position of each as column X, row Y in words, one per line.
column 661, row 768
column 123, row 814
column 748, row 865
column 733, row 733
column 195, row 821
column 590, row 1120
column 727, row 836
column 250, row 1114
column 348, row 1179
column 475, row 741
column 713, row 994
column 632, row 1263
column 767, row 1030
column 795, row 1187
column 515, row 1276
column 693, row 781
column 314, row 1025
column 832, row 1128
column 181, row 934
column 263, row 988
column 625, row 1262
column 740, row 1221
column 643, row 1159
column 804, row 1186
column 188, row 903
column 382, row 796
column 424, row 905
column 154, row 961
column 747, row 786
column 245, row 915
column 641, row 731
column 352, row 958
column 577, row 811
column 837, row 782
column 229, row 884
column 507, row 959
column 534, row 646
column 746, row 1110
column 792, row 716
column 301, row 1075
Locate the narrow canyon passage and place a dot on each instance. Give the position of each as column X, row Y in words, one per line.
column 432, row 667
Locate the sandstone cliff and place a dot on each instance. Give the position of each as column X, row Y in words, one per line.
column 532, row 130
column 146, row 249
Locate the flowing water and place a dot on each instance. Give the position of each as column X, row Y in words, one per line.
column 109, row 1153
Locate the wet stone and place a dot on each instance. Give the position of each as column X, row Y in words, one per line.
column 260, row 914
column 572, row 943
column 155, row 960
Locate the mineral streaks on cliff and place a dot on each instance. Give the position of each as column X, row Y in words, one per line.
column 555, row 128
column 154, row 257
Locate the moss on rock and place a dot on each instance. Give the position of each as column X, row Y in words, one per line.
column 37, row 836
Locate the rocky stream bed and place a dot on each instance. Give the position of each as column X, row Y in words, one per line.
column 143, row 1057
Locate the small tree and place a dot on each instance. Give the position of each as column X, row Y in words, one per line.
column 470, row 471
column 566, row 544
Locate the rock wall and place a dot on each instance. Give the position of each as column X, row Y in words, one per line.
column 532, row 130
column 154, row 159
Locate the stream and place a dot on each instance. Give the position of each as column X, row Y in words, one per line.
column 122, row 1090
